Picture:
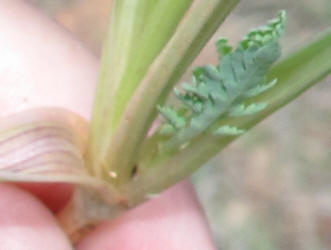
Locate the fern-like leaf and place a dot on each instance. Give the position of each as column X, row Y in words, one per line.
column 222, row 91
column 228, row 130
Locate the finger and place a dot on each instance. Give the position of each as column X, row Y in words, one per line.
column 172, row 221
column 25, row 224
column 42, row 65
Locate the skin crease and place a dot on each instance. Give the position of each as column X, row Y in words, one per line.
column 42, row 65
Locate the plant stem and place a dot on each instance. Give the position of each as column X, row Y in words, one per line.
column 137, row 33
column 197, row 26
column 85, row 210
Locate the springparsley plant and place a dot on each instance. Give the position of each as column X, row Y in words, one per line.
column 119, row 159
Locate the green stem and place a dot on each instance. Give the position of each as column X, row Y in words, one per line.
column 137, row 33
column 295, row 74
column 198, row 25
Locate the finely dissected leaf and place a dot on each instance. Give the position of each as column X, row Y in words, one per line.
column 223, row 47
column 250, row 109
column 261, row 88
column 296, row 73
column 43, row 145
column 173, row 117
column 224, row 90
column 228, row 130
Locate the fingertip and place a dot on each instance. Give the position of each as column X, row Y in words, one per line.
column 172, row 221
column 26, row 224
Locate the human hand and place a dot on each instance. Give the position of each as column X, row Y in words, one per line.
column 42, row 65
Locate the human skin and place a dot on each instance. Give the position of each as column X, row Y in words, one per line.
column 41, row 65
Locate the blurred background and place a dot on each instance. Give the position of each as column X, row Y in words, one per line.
column 271, row 189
